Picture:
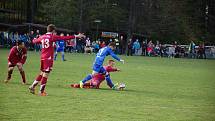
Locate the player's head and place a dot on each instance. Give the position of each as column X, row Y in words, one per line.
column 51, row 28
column 61, row 34
column 112, row 45
column 111, row 62
column 20, row 44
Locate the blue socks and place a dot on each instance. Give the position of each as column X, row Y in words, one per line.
column 87, row 78
column 109, row 81
column 63, row 56
column 55, row 56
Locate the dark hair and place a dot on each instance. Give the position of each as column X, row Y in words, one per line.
column 19, row 42
column 51, row 27
column 112, row 44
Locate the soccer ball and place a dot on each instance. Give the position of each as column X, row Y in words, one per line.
column 121, row 86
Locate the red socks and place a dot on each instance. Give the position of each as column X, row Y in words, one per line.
column 43, row 84
column 39, row 78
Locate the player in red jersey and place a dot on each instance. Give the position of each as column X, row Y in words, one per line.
column 17, row 57
column 47, row 56
column 99, row 78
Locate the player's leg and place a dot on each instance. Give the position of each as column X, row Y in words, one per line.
column 9, row 73
column 87, row 78
column 62, row 55
column 43, row 83
column 86, row 85
column 55, row 56
column 38, row 78
column 107, row 77
column 22, row 73
column 96, row 69
column 47, row 67
column 75, row 85
column 35, row 83
column 109, row 81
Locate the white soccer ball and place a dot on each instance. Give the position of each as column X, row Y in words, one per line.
column 121, row 86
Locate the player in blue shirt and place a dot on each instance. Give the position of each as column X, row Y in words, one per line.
column 98, row 64
column 60, row 45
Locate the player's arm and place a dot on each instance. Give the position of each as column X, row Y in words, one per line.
column 112, row 69
column 37, row 40
column 115, row 56
column 11, row 54
column 24, row 56
column 56, row 37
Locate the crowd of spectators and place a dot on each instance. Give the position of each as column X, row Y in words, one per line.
column 134, row 46
column 174, row 50
column 9, row 39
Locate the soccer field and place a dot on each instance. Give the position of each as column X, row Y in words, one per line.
column 158, row 89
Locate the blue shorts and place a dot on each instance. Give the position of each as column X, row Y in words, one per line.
column 99, row 68
column 60, row 49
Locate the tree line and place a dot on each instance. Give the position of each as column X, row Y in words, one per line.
column 164, row 20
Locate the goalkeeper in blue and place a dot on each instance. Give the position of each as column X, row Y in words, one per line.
column 60, row 46
column 98, row 64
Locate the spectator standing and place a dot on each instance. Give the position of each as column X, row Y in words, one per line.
column 6, row 37
column 31, row 36
column 37, row 35
column 177, row 49
column 88, row 48
column 201, row 51
column 117, row 46
column 161, row 50
column 129, row 53
column 95, row 45
column 171, row 52
column 144, row 47
column 150, row 48
column 16, row 38
column 79, row 44
column 192, row 49
column 136, row 46
column 102, row 44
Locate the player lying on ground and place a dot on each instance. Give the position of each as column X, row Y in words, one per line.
column 17, row 57
column 100, row 77
column 60, row 46
column 98, row 64
column 47, row 41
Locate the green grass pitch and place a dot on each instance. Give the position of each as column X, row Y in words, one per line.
column 157, row 89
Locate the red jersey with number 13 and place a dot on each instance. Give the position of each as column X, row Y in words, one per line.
column 47, row 41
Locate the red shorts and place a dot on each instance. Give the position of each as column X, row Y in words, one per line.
column 96, row 83
column 11, row 65
column 46, row 65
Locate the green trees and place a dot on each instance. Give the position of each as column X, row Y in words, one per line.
column 164, row 20
column 63, row 13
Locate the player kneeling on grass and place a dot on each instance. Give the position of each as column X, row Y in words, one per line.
column 96, row 81
column 98, row 63
column 17, row 57
column 47, row 41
